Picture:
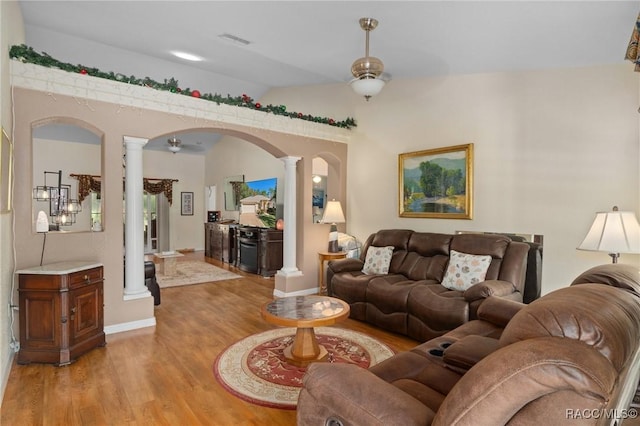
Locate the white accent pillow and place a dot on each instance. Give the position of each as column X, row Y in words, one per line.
column 377, row 260
column 465, row 270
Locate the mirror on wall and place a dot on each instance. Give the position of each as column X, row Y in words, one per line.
column 320, row 172
column 61, row 154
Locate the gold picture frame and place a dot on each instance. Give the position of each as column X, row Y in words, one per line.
column 6, row 176
column 436, row 183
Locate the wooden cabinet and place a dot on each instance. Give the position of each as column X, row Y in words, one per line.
column 259, row 250
column 270, row 252
column 61, row 312
column 219, row 241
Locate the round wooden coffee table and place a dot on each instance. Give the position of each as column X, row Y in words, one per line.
column 304, row 313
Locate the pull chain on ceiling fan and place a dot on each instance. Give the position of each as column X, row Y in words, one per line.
column 368, row 69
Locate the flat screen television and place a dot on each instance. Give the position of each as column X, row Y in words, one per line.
column 258, row 203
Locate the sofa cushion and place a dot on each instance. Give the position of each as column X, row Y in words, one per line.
column 465, row 270
column 441, row 309
column 378, row 260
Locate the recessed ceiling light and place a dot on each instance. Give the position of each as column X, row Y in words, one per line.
column 234, row 39
column 187, row 56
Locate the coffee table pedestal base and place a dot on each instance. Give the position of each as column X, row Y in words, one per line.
column 305, row 348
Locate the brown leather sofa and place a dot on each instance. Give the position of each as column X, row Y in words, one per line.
column 410, row 299
column 570, row 357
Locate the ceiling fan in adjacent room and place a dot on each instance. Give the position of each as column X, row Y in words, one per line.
column 176, row 145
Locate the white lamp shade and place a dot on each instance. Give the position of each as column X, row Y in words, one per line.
column 42, row 222
column 333, row 213
column 613, row 232
column 174, row 148
column 367, row 86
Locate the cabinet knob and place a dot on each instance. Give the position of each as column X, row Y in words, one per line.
column 86, row 277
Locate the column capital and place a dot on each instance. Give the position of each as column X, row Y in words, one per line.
column 132, row 141
column 290, row 160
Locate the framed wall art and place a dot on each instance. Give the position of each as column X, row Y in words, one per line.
column 436, row 183
column 186, row 203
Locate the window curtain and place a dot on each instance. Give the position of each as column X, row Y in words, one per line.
column 632, row 49
column 89, row 183
column 163, row 186
column 86, row 184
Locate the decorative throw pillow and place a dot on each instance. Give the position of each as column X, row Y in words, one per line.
column 465, row 270
column 377, row 260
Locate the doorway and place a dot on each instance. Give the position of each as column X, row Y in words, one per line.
column 150, row 208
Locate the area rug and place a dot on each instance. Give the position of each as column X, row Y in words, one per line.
column 194, row 272
column 255, row 369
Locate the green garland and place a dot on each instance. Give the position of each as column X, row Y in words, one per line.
column 26, row 54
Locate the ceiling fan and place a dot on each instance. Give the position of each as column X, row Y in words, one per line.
column 176, row 145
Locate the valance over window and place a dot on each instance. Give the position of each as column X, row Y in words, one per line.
column 89, row 183
column 632, row 49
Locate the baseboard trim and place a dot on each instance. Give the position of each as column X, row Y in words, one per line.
column 128, row 326
column 6, row 370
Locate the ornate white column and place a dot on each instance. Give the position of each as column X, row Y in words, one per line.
column 289, row 264
column 134, row 225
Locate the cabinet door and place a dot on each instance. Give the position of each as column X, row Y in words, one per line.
column 40, row 320
column 85, row 313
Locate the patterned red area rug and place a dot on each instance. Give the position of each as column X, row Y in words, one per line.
column 255, row 369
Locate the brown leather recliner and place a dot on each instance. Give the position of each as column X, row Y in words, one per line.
column 571, row 356
column 410, row 299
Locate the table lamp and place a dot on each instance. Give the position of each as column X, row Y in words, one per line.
column 614, row 232
column 333, row 214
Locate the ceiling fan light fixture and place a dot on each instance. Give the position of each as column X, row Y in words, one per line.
column 367, row 69
column 174, row 144
column 367, row 87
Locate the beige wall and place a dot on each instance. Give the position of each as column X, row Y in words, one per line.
column 11, row 32
column 232, row 157
column 186, row 232
column 551, row 149
column 114, row 122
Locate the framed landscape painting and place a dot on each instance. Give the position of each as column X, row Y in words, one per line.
column 437, row 183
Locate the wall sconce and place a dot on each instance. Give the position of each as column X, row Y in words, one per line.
column 333, row 214
column 614, row 232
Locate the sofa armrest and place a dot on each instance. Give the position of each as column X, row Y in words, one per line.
column 488, row 288
column 498, row 310
column 345, row 265
column 355, row 396
column 468, row 351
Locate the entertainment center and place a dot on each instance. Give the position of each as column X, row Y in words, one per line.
column 252, row 249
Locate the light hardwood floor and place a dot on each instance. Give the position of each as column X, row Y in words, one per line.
column 161, row 375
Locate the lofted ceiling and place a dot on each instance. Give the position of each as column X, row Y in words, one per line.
column 295, row 43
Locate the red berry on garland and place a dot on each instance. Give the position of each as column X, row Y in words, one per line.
column 258, row 105
column 331, row 121
column 195, row 94
column 83, row 71
column 299, row 115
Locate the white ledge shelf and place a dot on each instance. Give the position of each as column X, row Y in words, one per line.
column 56, row 81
